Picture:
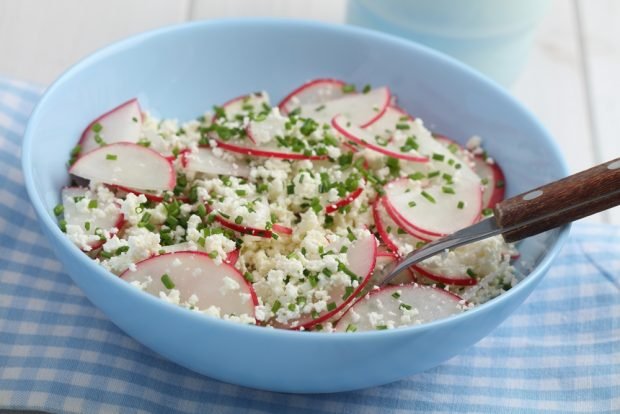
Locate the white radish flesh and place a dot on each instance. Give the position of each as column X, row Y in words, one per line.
column 386, row 258
column 254, row 102
column 76, row 212
column 195, row 273
column 126, row 164
column 398, row 306
column 121, row 124
column 205, row 162
column 315, row 92
column 432, row 209
column 376, row 142
column 361, row 109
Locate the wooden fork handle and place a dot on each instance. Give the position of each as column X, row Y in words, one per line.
column 560, row 202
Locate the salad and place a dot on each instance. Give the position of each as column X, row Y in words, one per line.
column 284, row 216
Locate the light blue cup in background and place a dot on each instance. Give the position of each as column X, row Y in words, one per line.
column 493, row 36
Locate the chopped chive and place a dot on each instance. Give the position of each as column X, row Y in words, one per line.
column 401, row 231
column 213, row 254
column 87, row 225
column 168, row 283
column 111, row 157
column 348, row 88
column 381, row 327
column 343, row 268
column 262, row 187
column 344, row 249
column 248, row 276
column 433, row 174
column 367, row 88
column 92, row 204
column 274, row 236
column 484, row 181
column 396, row 295
column 470, row 273
column 201, row 210
column 327, row 272
column 240, row 192
column 348, row 291
column 405, row 306
column 419, row 244
column 428, row 197
column 447, row 190
column 97, row 127
column 438, row 157
column 59, row 209
column 291, row 307
column 276, row 305
column 331, row 306
column 499, row 184
column 314, row 314
column 416, row 176
column 487, row 212
column 238, row 220
column 300, row 300
column 402, row 126
column 226, row 216
column 447, row 177
column 121, row 250
column 99, row 140
column 290, row 189
column 411, row 204
column 351, row 328
column 320, row 108
column 460, row 205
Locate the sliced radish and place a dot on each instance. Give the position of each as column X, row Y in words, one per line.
column 279, row 228
column 454, row 147
column 263, row 132
column 252, row 231
column 395, row 218
column 231, row 257
column 254, row 102
column 386, row 125
column 386, row 258
column 398, row 306
column 315, row 92
column 368, row 139
column 344, row 201
column 361, row 109
column 121, row 124
column 432, row 210
column 204, row 161
column 126, row 164
column 361, row 258
column 493, row 181
column 397, row 241
column 445, row 275
column 271, row 151
column 195, row 273
column 90, row 219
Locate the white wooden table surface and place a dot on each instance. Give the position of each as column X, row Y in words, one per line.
column 571, row 81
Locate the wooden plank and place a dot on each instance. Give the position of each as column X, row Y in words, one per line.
column 553, row 87
column 40, row 39
column 600, row 38
column 325, row 10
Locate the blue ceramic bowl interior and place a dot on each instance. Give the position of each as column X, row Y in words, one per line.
column 183, row 70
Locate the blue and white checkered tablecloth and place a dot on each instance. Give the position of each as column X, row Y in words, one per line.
column 560, row 352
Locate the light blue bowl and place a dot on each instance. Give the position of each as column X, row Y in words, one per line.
column 181, row 71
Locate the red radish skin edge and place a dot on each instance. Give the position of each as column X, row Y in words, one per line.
column 120, row 222
column 331, row 208
column 252, row 231
column 262, row 153
column 248, row 284
column 171, row 172
column 341, row 129
column 328, row 315
column 232, row 257
column 498, row 193
column 446, row 280
column 380, row 229
column 402, row 223
column 384, row 108
column 287, row 98
column 88, row 128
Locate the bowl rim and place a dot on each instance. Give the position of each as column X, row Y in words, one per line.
column 267, row 23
